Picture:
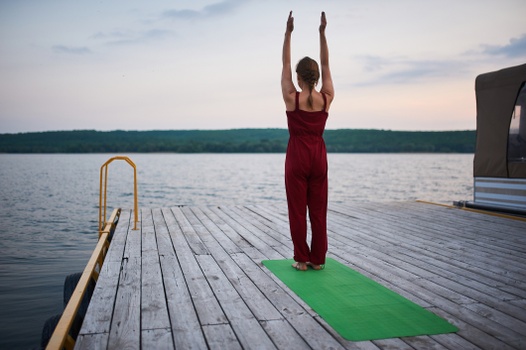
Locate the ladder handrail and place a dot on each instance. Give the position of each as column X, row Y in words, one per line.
column 102, row 213
column 60, row 339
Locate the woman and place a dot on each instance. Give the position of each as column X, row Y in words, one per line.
column 306, row 161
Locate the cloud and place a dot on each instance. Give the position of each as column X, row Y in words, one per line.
column 402, row 70
column 182, row 14
column 374, row 63
column 382, row 70
column 131, row 37
column 515, row 48
column 73, row 50
column 416, row 70
column 216, row 9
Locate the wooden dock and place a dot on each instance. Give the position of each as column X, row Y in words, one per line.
column 192, row 277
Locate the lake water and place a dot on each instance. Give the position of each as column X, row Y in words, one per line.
column 49, row 207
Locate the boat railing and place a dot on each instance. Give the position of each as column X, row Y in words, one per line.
column 104, row 187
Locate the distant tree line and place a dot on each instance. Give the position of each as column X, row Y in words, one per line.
column 233, row 141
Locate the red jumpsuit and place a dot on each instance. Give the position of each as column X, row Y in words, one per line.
column 306, row 182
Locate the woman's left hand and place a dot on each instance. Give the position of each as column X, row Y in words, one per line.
column 290, row 23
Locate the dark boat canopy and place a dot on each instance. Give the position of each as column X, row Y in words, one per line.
column 501, row 124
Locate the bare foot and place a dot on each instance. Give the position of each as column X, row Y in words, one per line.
column 300, row 266
column 315, row 267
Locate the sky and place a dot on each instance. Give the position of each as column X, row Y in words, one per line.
column 216, row 64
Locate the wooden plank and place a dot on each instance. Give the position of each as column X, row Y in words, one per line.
column 426, row 269
column 470, row 238
column 454, row 341
column 479, row 287
column 165, row 247
column 487, row 226
column 288, row 303
column 259, row 239
column 154, row 310
column 158, row 339
column 132, row 249
column 480, row 331
column 283, row 335
column 421, row 246
column 118, row 241
column 222, row 222
column 186, row 329
column 221, row 337
column 217, row 228
column 255, row 300
column 247, row 329
column 98, row 315
column 423, row 342
column 277, row 236
column 208, row 309
column 193, row 240
column 513, row 326
column 225, row 213
column 392, row 344
column 92, row 341
column 263, row 226
column 280, row 225
column 125, row 326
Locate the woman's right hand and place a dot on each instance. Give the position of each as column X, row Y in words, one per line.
column 290, row 23
column 323, row 22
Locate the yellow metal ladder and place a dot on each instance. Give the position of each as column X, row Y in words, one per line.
column 102, row 197
column 60, row 339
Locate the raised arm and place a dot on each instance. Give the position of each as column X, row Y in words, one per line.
column 326, row 78
column 287, row 86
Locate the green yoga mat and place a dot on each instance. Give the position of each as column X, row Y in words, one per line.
column 357, row 307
